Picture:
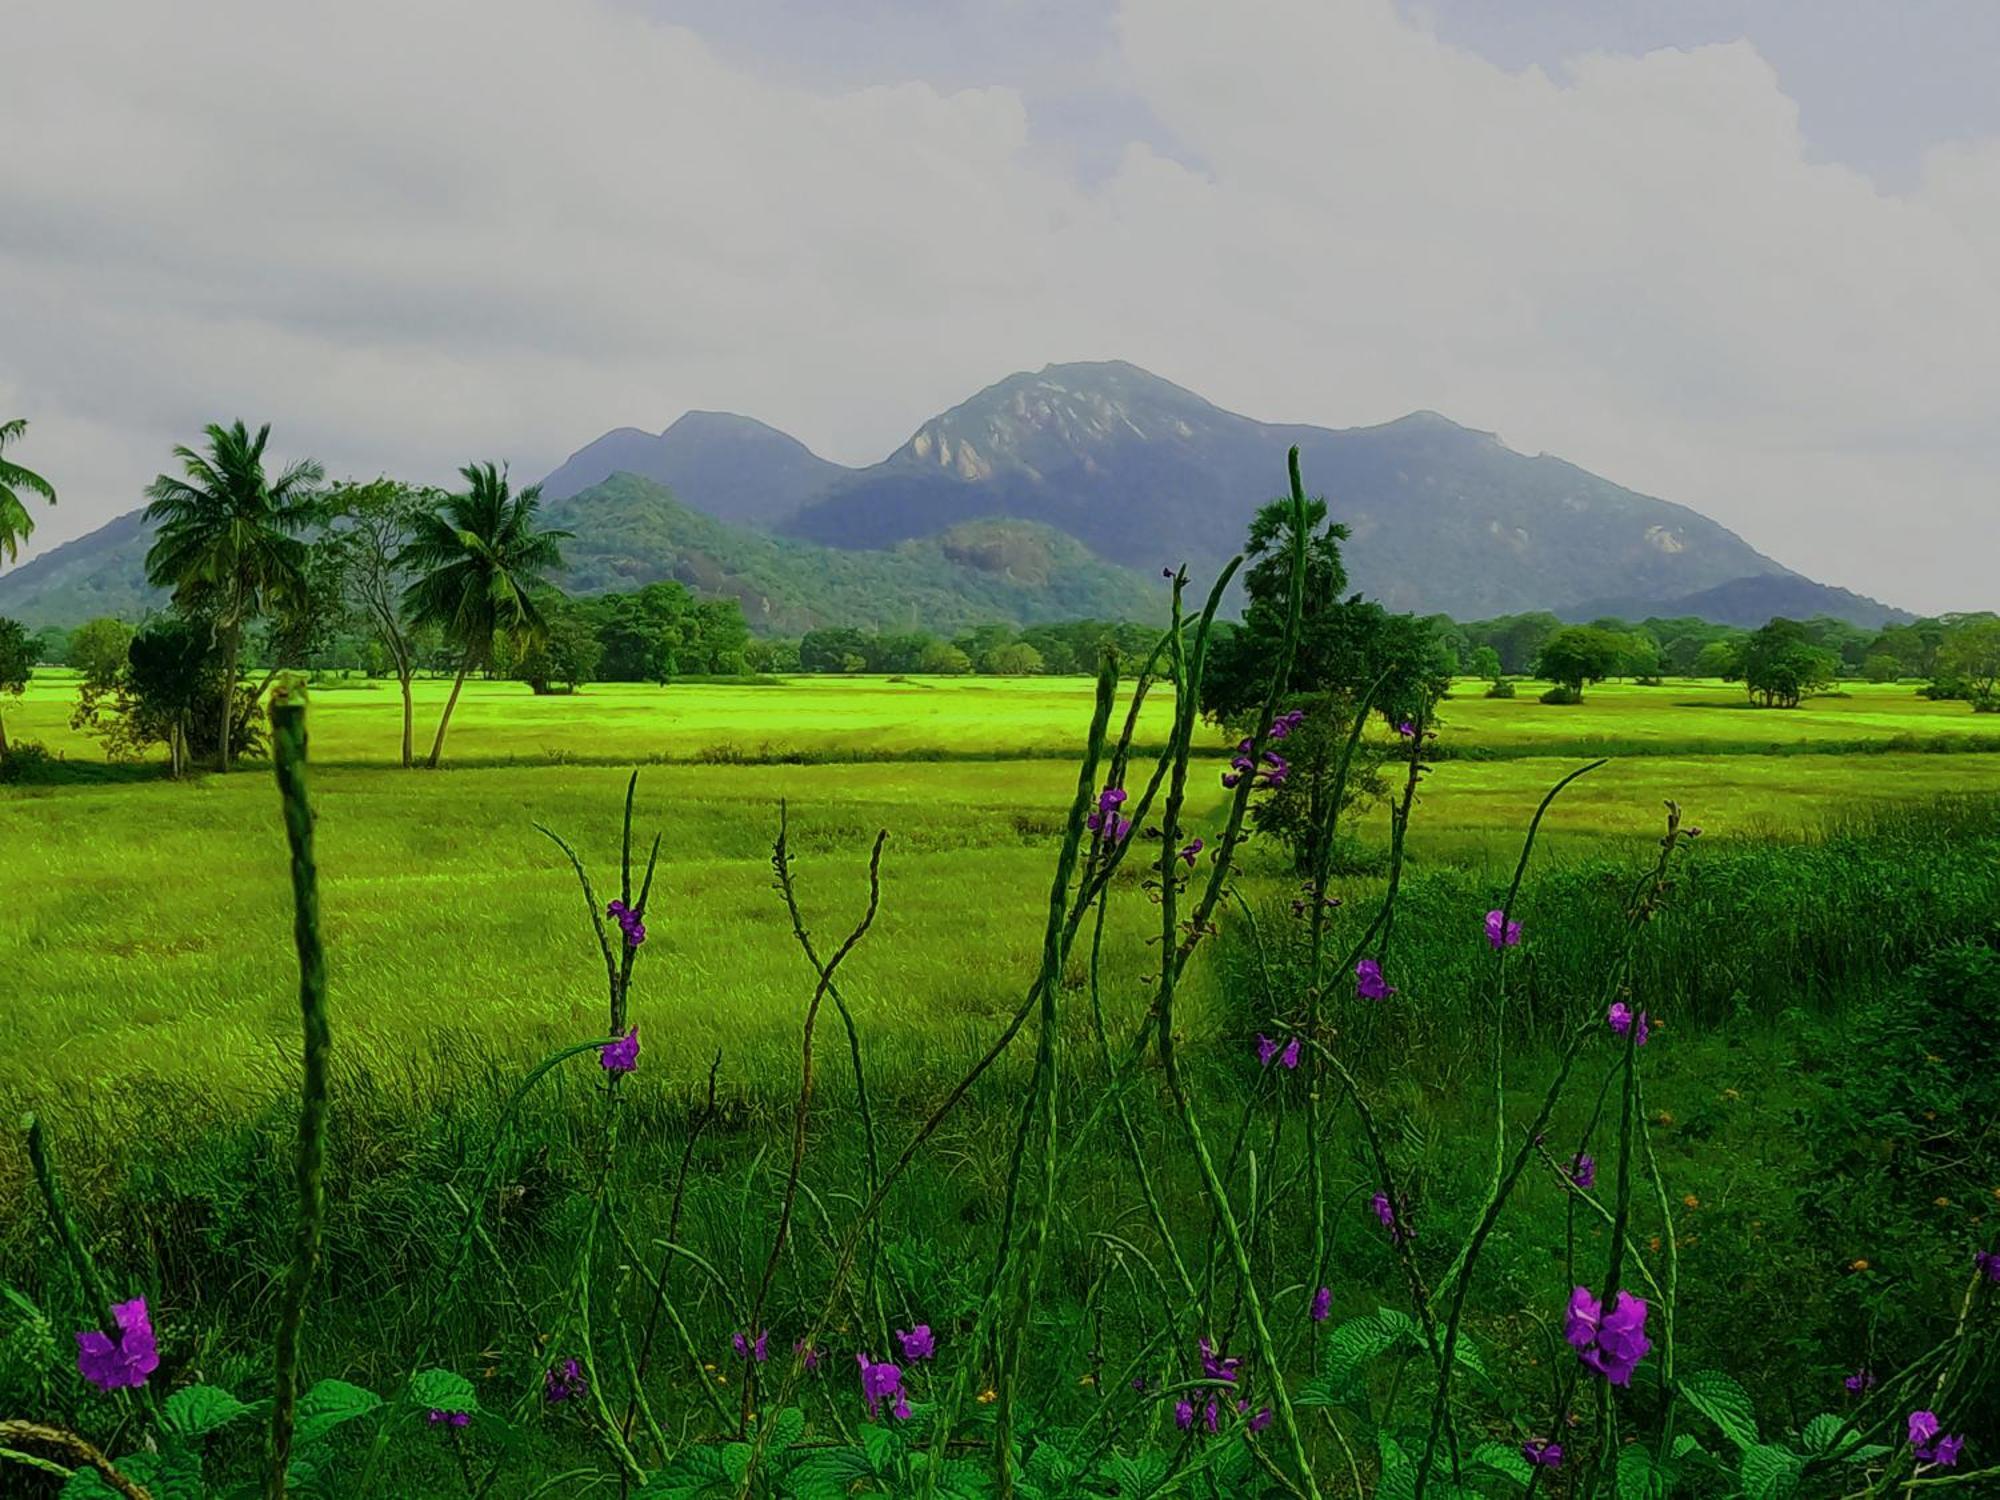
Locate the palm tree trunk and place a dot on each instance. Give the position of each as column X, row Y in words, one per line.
column 409, row 718
column 228, row 694
column 444, row 719
column 3, row 736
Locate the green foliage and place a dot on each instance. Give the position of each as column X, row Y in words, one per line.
column 1782, row 666
column 98, row 649
column 15, row 521
column 1579, row 654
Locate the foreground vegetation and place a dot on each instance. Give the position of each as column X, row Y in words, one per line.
column 1269, row 1195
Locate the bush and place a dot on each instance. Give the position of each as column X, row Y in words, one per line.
column 1502, row 688
column 27, row 763
column 1988, row 705
column 1562, row 695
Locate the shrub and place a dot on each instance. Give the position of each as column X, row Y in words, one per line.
column 26, row 763
column 1502, row 687
column 1563, row 695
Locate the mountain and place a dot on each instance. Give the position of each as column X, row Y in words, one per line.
column 734, row 468
column 1749, row 602
column 630, row 531
column 1146, row 473
column 101, row 573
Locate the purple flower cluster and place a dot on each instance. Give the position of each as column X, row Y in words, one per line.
column 917, row 1342
column 1547, row 1455
column 1502, row 933
column 1189, row 851
column 1611, row 1343
column 122, row 1364
column 1620, row 1019
column 628, row 923
column 883, row 1382
column 1988, row 1262
column 1216, row 1366
column 1928, row 1445
column 1274, row 768
column 621, row 1056
column 1583, row 1171
column 1407, row 730
column 1859, row 1381
column 1105, row 821
column 1392, row 1219
column 1287, row 1056
column 749, row 1348
column 564, row 1382
column 808, row 1356
column 439, row 1417
column 1226, row 1368
column 1369, row 983
column 1286, row 722
column 1322, row 1304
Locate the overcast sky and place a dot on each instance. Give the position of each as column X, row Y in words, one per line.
column 1745, row 256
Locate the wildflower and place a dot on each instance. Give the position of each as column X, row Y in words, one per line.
column 1086, row 1378
column 1610, row 1343
column 563, row 1381
column 1500, row 932
column 917, row 1342
column 749, row 1348
column 1859, row 1381
column 1266, row 1050
column 988, row 1396
column 1286, row 722
column 1106, row 820
column 621, row 1056
column 1322, row 1304
column 1289, row 1058
column 1184, row 1414
column 1583, row 1171
column 442, row 1418
column 1548, row 1455
column 628, row 923
column 1262, row 1420
column 1218, row 1366
column 1386, row 1212
column 1286, row 1057
column 1940, row 1201
column 1189, row 852
column 1688, row 1200
column 880, row 1382
column 125, row 1364
column 1166, row 572
column 1139, row 1384
column 1989, row 1262
column 808, row 1356
column 1407, row 730
column 1857, row 1265
column 1619, row 1017
column 1928, row 1445
column 1210, row 1414
column 1369, row 983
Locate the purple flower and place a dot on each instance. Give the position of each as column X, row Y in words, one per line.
column 621, row 1056
column 1266, row 1050
column 917, row 1342
column 628, row 923
column 1369, row 983
column 1928, row 1445
column 1105, row 820
column 1500, row 932
column 1583, row 1171
column 1164, row 573
column 1262, row 1420
column 1548, row 1455
column 1384, row 1210
column 441, row 1418
column 1859, row 1381
column 1285, row 723
column 1139, row 1384
column 808, row 1356
column 749, row 1348
column 1289, row 1058
column 1209, row 1414
column 880, row 1382
column 1189, row 852
column 1610, row 1343
column 1184, row 1414
column 1322, row 1304
column 1619, row 1018
column 1989, row 1262
column 563, row 1381
column 124, row 1364
column 1407, row 730
column 1218, row 1366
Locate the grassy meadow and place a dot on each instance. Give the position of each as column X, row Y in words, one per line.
column 149, row 1004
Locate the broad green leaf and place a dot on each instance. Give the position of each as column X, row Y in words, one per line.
column 1504, row 1460
column 787, row 1427
column 735, row 1459
column 1640, row 1478
column 1770, row 1472
column 166, row 1476
column 328, row 1405
column 194, row 1411
column 1137, row 1476
column 695, row 1473
column 442, row 1390
column 1357, row 1341
column 880, row 1444
column 1723, row 1402
column 828, row 1474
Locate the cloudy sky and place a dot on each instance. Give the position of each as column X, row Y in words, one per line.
column 1745, row 256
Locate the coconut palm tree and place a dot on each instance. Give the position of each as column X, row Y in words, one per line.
column 15, row 522
column 480, row 560
column 227, row 542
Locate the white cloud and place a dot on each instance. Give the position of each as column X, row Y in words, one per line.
column 410, row 235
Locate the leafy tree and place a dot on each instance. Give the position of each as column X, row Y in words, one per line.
column 1485, row 664
column 17, row 665
column 1578, row 654
column 371, row 528
column 480, row 560
column 1881, row 666
column 1518, row 638
column 1971, row 654
column 1782, row 665
column 1722, row 659
column 1015, row 659
column 942, row 659
column 227, row 542
column 51, row 645
column 15, row 522
column 168, row 692
column 772, row 656
column 720, row 640
column 830, row 650
column 97, row 649
column 567, row 653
